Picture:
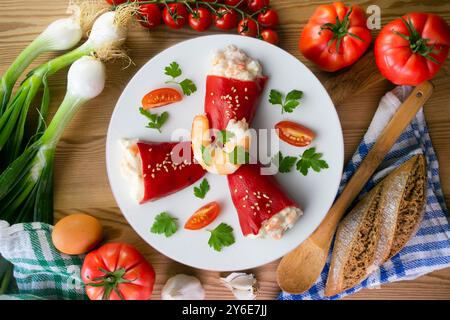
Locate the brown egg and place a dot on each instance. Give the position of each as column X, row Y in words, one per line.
column 77, row 233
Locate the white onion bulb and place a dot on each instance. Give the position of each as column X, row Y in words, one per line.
column 86, row 78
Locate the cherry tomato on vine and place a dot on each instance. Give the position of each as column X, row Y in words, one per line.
column 255, row 5
column 226, row 19
column 175, row 15
column 235, row 2
column 270, row 36
column 116, row 2
column 248, row 27
column 268, row 18
column 150, row 15
column 200, row 19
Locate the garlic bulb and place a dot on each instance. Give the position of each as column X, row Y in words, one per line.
column 183, row 287
column 243, row 285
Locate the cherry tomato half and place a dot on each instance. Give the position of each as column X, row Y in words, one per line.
column 268, row 18
column 248, row 27
column 150, row 15
column 160, row 97
column 203, row 216
column 175, row 15
column 201, row 19
column 226, row 19
column 269, row 36
column 294, row 133
column 255, row 5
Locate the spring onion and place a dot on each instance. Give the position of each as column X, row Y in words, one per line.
column 60, row 35
column 108, row 33
column 27, row 183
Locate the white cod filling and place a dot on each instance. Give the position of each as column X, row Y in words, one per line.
column 235, row 63
column 131, row 169
column 279, row 223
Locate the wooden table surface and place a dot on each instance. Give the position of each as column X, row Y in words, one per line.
column 81, row 184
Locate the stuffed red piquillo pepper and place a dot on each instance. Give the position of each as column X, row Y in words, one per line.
column 157, row 169
column 262, row 206
column 234, row 85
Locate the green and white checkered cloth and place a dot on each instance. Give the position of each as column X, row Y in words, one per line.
column 40, row 270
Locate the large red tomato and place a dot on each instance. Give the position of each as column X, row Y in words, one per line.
column 335, row 36
column 117, row 271
column 412, row 49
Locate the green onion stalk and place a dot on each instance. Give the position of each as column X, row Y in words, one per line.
column 108, row 33
column 60, row 35
column 26, row 184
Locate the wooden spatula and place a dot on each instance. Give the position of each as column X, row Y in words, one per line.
column 299, row 269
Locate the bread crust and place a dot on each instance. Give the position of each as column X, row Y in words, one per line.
column 379, row 226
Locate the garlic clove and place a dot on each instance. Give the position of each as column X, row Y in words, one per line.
column 244, row 294
column 183, row 287
column 242, row 285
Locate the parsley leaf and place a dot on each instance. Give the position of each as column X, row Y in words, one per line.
column 155, row 121
column 164, row 224
column 224, row 136
column 173, row 70
column 206, row 155
column 188, row 87
column 221, row 236
column 239, row 155
column 294, row 95
column 311, row 159
column 275, row 97
column 202, row 189
column 290, row 102
column 285, row 164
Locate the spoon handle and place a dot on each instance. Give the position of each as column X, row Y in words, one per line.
column 400, row 120
column 291, row 278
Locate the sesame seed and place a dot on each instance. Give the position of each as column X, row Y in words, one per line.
column 153, row 176
column 245, row 89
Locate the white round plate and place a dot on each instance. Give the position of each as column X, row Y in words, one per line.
column 314, row 192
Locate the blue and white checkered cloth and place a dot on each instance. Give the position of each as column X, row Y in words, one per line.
column 429, row 249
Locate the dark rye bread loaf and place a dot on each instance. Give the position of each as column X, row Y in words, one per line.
column 378, row 226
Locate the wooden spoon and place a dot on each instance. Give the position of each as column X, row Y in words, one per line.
column 299, row 269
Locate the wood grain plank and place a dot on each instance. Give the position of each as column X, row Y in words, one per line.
column 80, row 174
